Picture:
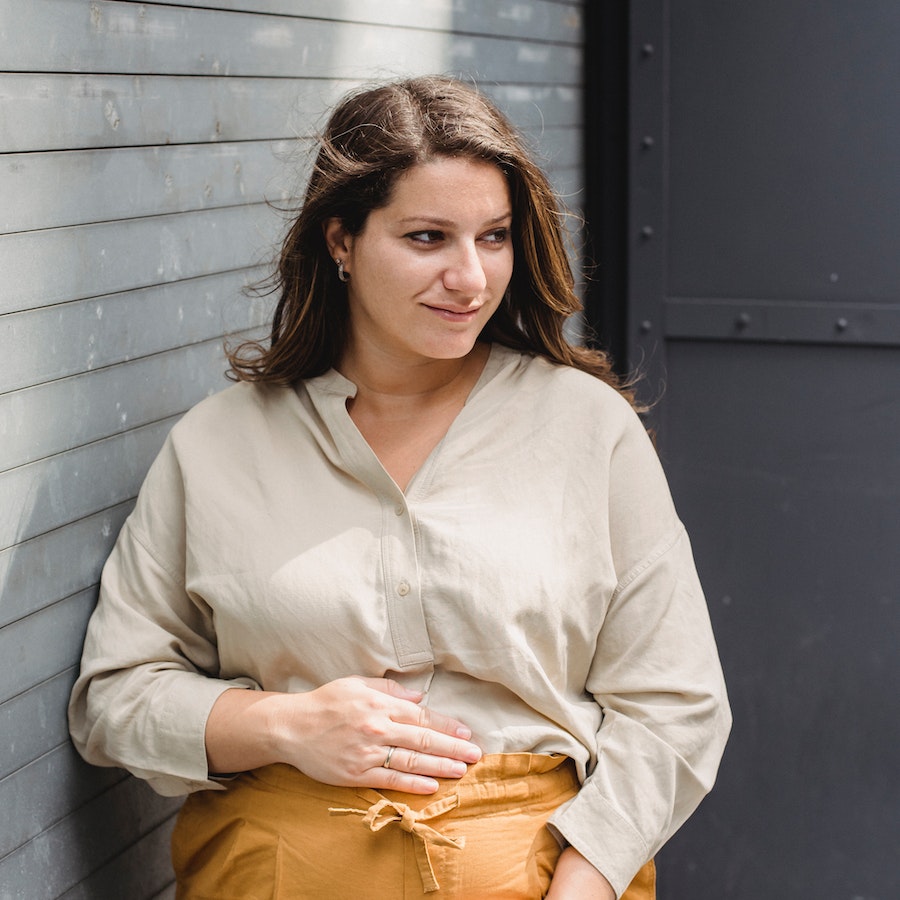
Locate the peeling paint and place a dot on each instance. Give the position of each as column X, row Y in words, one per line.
column 111, row 114
column 170, row 253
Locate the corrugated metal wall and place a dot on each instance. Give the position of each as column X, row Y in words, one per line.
column 138, row 145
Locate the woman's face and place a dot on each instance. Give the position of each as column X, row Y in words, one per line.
column 429, row 269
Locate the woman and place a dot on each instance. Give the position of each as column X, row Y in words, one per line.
column 417, row 577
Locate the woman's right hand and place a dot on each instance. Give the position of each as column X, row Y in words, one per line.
column 341, row 733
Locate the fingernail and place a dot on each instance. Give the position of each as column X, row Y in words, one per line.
column 463, row 732
column 458, row 769
column 431, row 785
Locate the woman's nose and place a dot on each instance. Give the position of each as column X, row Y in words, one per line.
column 465, row 272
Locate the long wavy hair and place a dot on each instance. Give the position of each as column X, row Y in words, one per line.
column 372, row 137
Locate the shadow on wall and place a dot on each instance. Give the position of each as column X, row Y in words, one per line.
column 70, row 818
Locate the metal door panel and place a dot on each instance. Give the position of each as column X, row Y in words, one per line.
column 763, row 306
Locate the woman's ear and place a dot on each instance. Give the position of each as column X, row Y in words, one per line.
column 338, row 240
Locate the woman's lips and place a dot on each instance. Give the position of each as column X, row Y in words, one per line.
column 451, row 314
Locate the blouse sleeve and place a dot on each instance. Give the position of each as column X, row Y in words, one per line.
column 148, row 672
column 657, row 677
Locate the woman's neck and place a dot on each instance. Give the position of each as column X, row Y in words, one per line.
column 390, row 384
column 403, row 415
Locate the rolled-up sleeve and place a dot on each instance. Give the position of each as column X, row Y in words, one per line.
column 148, row 677
column 657, row 677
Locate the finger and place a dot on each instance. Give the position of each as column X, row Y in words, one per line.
column 434, row 743
column 426, row 718
column 411, row 713
column 435, row 721
column 395, row 780
column 416, row 763
column 392, row 688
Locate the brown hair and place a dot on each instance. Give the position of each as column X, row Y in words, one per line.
column 372, row 137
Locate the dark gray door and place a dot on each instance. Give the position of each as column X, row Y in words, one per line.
column 763, row 285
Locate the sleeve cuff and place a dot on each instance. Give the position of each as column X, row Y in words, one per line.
column 177, row 763
column 609, row 842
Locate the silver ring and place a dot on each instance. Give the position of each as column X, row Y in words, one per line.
column 387, row 760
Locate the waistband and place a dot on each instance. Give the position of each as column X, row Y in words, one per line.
column 495, row 778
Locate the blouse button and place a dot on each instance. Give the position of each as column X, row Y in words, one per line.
column 398, row 510
column 403, row 588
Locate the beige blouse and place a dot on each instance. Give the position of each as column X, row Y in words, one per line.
column 534, row 579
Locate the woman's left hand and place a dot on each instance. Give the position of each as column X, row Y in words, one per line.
column 576, row 879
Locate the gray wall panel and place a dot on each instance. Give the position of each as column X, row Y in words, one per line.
column 63, row 111
column 55, row 341
column 53, row 566
column 70, row 849
column 49, row 190
column 557, row 148
column 167, row 893
column 63, row 488
column 33, row 722
column 51, row 112
column 33, row 792
column 139, row 144
column 60, row 264
column 117, row 37
column 509, row 18
column 51, row 629
column 140, row 859
column 50, row 418
column 536, row 106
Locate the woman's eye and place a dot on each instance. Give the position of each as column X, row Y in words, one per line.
column 425, row 237
column 497, row 237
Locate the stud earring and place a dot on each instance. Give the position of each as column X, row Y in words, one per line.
column 342, row 275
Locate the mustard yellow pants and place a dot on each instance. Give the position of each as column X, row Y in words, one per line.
column 277, row 835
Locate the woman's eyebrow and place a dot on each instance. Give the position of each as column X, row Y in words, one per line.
column 435, row 220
